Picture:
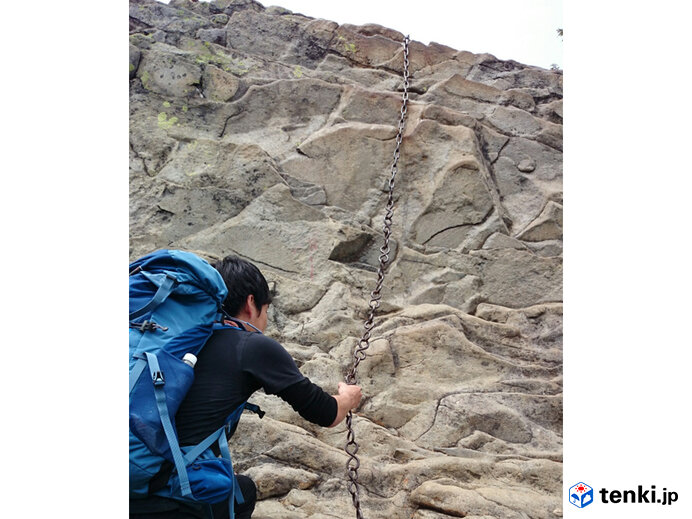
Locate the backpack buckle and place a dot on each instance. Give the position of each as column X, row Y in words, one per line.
column 255, row 409
column 158, row 378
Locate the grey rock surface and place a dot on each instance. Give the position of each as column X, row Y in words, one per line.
column 269, row 134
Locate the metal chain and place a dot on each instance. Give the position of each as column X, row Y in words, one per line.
column 351, row 447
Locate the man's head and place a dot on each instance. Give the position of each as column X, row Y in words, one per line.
column 248, row 292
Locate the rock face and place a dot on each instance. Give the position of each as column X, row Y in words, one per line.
column 269, row 134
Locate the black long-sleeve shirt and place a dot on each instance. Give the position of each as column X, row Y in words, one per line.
column 230, row 368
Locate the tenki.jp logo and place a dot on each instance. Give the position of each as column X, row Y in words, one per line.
column 581, row 495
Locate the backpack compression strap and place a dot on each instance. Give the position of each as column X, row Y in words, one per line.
column 159, row 382
column 161, row 295
column 137, row 370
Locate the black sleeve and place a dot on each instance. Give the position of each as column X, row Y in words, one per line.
column 270, row 364
column 311, row 402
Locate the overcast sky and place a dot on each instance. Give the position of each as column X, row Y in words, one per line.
column 522, row 30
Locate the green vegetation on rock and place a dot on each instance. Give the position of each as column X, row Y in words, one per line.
column 164, row 122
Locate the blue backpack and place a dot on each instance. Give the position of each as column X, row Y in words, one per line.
column 175, row 304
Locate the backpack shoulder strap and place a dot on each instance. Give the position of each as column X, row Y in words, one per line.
column 236, row 493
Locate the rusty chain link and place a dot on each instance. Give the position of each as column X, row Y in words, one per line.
column 352, row 447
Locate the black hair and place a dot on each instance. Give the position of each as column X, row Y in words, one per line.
column 242, row 278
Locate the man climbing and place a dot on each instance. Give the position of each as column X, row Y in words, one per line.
column 234, row 363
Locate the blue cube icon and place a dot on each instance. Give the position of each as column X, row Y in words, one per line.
column 581, row 495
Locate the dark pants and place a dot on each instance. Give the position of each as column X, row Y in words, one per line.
column 162, row 508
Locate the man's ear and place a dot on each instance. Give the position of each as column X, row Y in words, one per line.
column 250, row 307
